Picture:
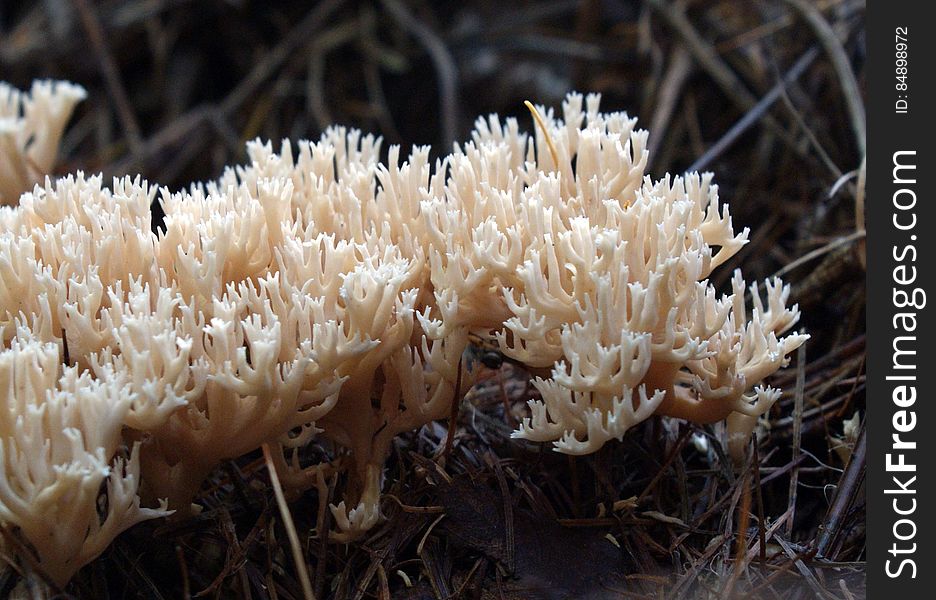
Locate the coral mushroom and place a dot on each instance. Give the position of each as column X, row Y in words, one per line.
column 59, row 434
column 603, row 275
column 31, row 126
column 320, row 293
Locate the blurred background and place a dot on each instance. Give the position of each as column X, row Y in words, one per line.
column 767, row 94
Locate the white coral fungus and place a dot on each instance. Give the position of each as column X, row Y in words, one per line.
column 31, row 126
column 319, row 293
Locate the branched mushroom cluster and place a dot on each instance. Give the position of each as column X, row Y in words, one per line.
column 31, row 126
column 319, row 293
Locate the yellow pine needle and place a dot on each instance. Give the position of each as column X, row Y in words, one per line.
column 301, row 568
column 542, row 125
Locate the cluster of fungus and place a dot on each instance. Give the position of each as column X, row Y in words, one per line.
column 320, row 294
